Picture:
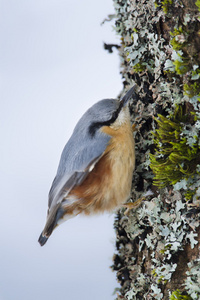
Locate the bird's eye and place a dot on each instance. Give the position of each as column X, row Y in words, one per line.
column 96, row 125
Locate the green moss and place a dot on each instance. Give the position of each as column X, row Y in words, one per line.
column 196, row 74
column 177, row 295
column 156, row 4
column 174, row 159
column 154, row 273
column 182, row 64
column 166, row 4
column 198, row 4
column 140, row 67
column 167, row 247
column 189, row 194
column 181, row 67
column 179, row 40
column 175, row 44
column 192, row 89
column 161, row 278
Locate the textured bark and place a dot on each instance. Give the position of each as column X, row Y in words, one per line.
column 158, row 242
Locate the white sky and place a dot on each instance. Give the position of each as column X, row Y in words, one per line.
column 53, row 67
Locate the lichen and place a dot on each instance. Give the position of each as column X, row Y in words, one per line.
column 160, row 53
column 192, row 283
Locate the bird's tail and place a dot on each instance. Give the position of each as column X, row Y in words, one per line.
column 51, row 223
column 42, row 239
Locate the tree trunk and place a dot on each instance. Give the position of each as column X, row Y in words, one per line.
column 157, row 247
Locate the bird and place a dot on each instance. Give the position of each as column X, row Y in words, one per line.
column 95, row 171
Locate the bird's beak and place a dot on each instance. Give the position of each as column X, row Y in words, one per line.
column 127, row 96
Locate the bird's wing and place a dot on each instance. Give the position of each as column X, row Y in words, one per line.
column 75, row 164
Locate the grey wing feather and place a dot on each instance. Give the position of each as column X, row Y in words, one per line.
column 79, row 154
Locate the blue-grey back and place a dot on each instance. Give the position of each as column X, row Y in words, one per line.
column 82, row 147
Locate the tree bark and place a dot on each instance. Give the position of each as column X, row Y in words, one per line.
column 157, row 246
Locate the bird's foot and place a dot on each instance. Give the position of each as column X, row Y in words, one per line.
column 134, row 127
column 133, row 205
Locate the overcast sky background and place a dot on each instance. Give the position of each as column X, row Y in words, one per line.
column 53, row 67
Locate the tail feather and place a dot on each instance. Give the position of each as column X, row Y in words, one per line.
column 42, row 239
column 51, row 223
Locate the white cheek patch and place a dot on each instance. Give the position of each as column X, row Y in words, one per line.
column 122, row 117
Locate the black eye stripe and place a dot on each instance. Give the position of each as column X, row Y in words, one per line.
column 96, row 125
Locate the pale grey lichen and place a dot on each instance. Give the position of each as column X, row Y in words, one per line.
column 150, row 239
column 192, row 282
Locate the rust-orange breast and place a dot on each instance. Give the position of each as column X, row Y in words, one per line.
column 108, row 185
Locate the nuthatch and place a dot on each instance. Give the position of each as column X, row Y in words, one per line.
column 95, row 170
